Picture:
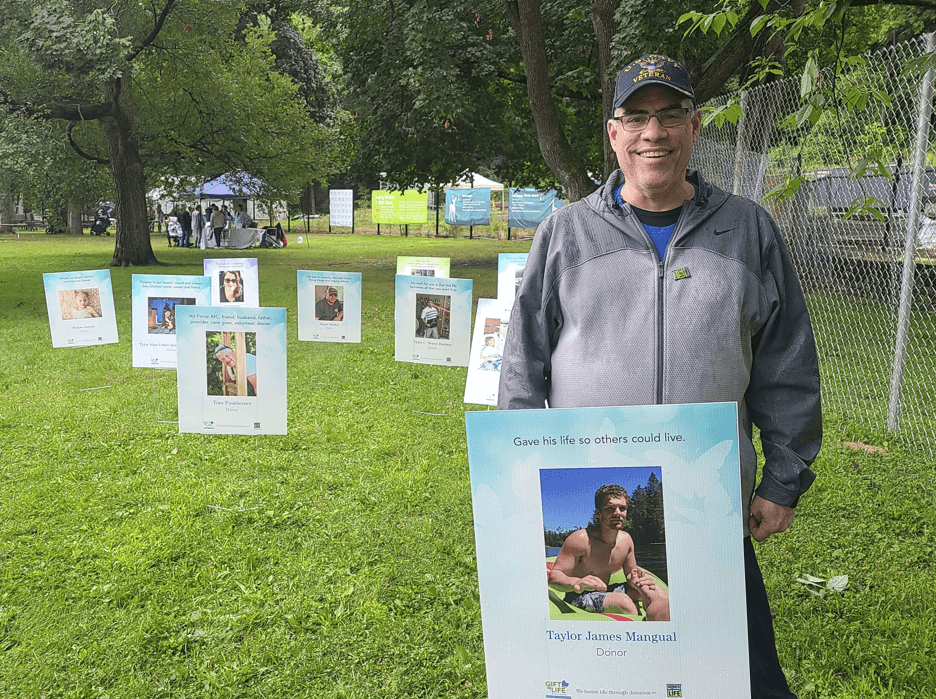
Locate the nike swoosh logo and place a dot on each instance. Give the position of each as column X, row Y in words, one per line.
column 718, row 232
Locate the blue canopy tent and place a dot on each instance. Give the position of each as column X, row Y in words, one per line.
column 229, row 186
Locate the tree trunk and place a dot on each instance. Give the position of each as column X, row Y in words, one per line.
column 602, row 15
column 132, row 246
column 7, row 213
column 72, row 221
column 559, row 156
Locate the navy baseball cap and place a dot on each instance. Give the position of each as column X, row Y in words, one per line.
column 652, row 69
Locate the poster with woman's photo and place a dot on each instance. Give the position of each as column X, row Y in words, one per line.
column 235, row 282
column 432, row 320
column 329, row 306
column 233, row 379
column 487, row 349
column 80, row 307
column 154, row 300
column 424, row 266
column 609, row 550
column 510, row 267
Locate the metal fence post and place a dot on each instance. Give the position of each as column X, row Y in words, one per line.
column 910, row 243
column 741, row 145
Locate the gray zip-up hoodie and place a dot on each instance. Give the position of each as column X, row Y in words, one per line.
column 600, row 320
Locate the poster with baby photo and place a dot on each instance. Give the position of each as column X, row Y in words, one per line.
column 154, row 299
column 233, row 378
column 510, row 266
column 609, row 544
column 80, row 307
column 424, row 266
column 329, row 306
column 487, row 348
column 234, row 282
column 432, row 320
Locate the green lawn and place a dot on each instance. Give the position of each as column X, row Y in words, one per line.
column 356, row 575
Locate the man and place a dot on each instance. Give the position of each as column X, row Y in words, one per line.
column 329, row 307
column 590, row 556
column 228, row 360
column 240, row 218
column 700, row 303
column 430, row 319
column 218, row 222
column 198, row 225
column 185, row 220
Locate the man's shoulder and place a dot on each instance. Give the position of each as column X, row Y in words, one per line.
column 577, row 539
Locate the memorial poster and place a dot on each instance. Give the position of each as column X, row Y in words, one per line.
column 527, row 208
column 432, row 320
column 535, row 480
column 80, row 307
column 424, row 266
column 510, row 267
column 232, row 379
column 487, row 349
column 468, row 207
column 408, row 206
column 154, row 300
column 341, row 207
column 234, row 281
column 329, row 306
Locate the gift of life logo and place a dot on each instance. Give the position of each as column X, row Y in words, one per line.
column 673, row 690
column 558, row 689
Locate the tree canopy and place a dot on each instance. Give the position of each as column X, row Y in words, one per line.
column 160, row 91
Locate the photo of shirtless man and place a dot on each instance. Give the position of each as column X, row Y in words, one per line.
column 590, row 556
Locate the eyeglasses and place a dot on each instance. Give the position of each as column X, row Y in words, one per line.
column 230, row 281
column 668, row 118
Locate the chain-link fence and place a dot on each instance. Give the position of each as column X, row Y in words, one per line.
column 870, row 277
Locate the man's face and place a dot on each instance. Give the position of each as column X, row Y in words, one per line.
column 654, row 159
column 613, row 512
column 330, row 298
column 230, row 286
column 227, row 359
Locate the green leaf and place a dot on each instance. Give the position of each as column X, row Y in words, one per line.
column 837, row 583
column 758, row 24
column 719, row 23
column 808, row 79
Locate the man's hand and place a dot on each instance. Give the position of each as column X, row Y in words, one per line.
column 768, row 518
column 590, row 582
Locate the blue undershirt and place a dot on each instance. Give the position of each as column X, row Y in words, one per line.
column 658, row 224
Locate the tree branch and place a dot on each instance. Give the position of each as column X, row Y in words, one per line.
column 157, row 27
column 78, row 149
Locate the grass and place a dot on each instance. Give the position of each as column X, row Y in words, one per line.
column 356, row 575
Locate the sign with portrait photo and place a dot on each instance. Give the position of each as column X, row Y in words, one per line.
column 487, row 349
column 433, row 320
column 233, row 380
column 154, row 300
column 329, row 306
column 80, row 307
column 424, row 266
column 234, row 282
column 609, row 551
column 510, row 267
